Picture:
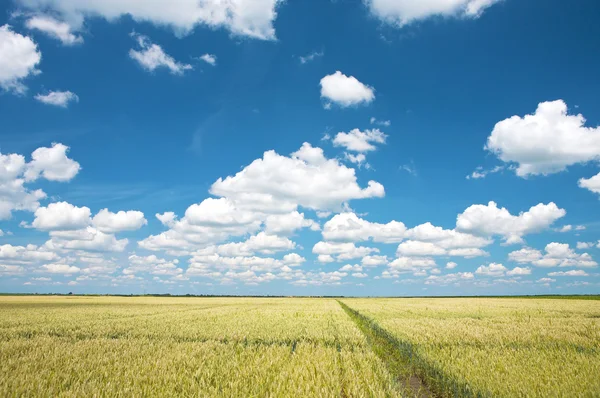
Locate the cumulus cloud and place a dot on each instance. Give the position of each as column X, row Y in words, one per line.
column 345, row 90
column 151, row 56
column 592, row 183
column 108, row 222
column 545, row 142
column 306, row 178
column 342, row 250
column 61, row 216
column 446, row 238
column 490, row 220
column 349, row 227
column 25, row 255
column 451, row 265
column 403, row 12
column 64, row 269
column 250, row 18
column 87, row 239
column 374, row 261
column 152, row 265
column 58, row 98
column 588, row 245
column 360, row 141
column 19, row 57
column 288, row 223
column 259, row 243
column 519, row 271
column 556, row 255
column 420, row 249
column 52, row 164
column 167, row 218
column 423, row 240
column 13, row 193
column 494, row 269
column 55, row 29
column 411, row 263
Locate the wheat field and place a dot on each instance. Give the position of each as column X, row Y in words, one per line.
column 57, row 346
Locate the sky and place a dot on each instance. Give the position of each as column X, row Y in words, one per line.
column 269, row 147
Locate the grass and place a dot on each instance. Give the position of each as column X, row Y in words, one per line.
column 74, row 346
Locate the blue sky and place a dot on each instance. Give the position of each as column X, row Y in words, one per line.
column 300, row 147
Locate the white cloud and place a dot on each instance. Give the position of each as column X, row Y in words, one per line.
column 52, row 163
column 58, row 98
column 151, row 56
column 446, row 238
column 385, row 123
column 343, row 251
column 592, row 183
column 557, row 254
column 13, row 194
column 61, row 216
column 359, row 141
column 403, row 12
column 425, row 239
column 325, row 258
column 569, row 273
column 480, row 172
column 167, row 218
column 588, row 245
column 293, row 259
column 288, row 223
column 220, row 212
column 277, row 183
column 210, row 59
column 374, row 261
column 411, row 263
column 152, row 265
column 519, row 271
column 565, row 228
column 358, row 159
column 359, row 275
column 108, row 222
column 494, row 269
column 349, row 267
column 251, row 18
column 19, row 57
column 419, row 249
column 310, row 57
column 259, row 243
column 546, row 280
column 60, row 269
column 451, row 265
column 448, row 279
column 546, row 142
column 490, row 220
column 11, row 270
column 88, row 239
column 56, row 29
column 349, row 227
column 215, row 265
column 345, row 90
column 25, row 255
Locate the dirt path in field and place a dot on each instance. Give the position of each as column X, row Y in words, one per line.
column 386, row 349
